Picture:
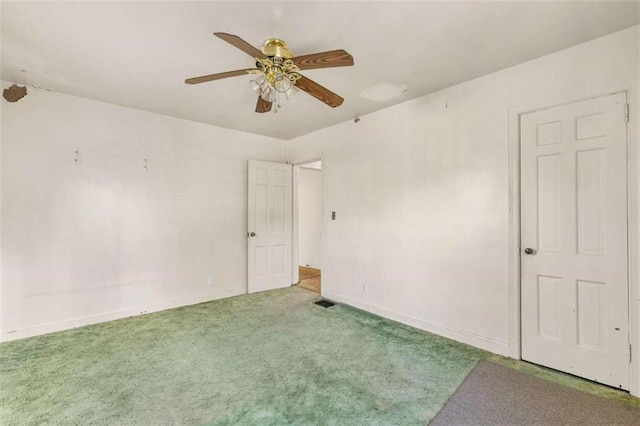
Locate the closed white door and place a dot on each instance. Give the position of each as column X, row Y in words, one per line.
column 269, row 226
column 574, row 239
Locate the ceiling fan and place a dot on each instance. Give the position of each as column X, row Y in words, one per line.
column 279, row 71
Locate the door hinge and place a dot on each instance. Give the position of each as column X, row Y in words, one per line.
column 630, row 358
column 626, row 112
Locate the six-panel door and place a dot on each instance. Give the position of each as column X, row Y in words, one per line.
column 574, row 220
column 269, row 226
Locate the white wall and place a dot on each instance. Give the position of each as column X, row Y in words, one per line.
column 106, row 238
column 310, row 217
column 421, row 193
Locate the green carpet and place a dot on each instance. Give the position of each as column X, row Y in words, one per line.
column 268, row 358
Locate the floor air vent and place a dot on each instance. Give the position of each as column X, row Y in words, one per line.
column 324, row 303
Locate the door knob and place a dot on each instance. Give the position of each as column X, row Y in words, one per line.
column 252, row 234
column 529, row 251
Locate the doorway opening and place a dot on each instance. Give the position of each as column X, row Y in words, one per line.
column 310, row 278
column 308, row 225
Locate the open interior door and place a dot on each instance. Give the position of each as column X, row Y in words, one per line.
column 269, row 226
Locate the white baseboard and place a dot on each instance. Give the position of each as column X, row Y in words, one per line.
column 491, row 345
column 481, row 342
column 103, row 317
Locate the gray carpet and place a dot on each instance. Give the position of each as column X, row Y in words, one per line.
column 496, row 395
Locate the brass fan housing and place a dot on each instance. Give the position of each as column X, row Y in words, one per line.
column 276, row 47
column 277, row 64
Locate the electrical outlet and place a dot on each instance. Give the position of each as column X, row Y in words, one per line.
column 210, row 280
column 364, row 288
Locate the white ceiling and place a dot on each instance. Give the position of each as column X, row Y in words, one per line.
column 137, row 54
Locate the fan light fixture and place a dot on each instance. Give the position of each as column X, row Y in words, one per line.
column 279, row 73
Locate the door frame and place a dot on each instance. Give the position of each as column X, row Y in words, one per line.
column 630, row 87
column 295, row 220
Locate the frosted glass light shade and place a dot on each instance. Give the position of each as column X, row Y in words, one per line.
column 268, row 94
column 282, row 83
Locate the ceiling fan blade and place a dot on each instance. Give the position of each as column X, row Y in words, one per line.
column 220, row 75
column 319, row 92
column 263, row 106
column 333, row 58
column 241, row 44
